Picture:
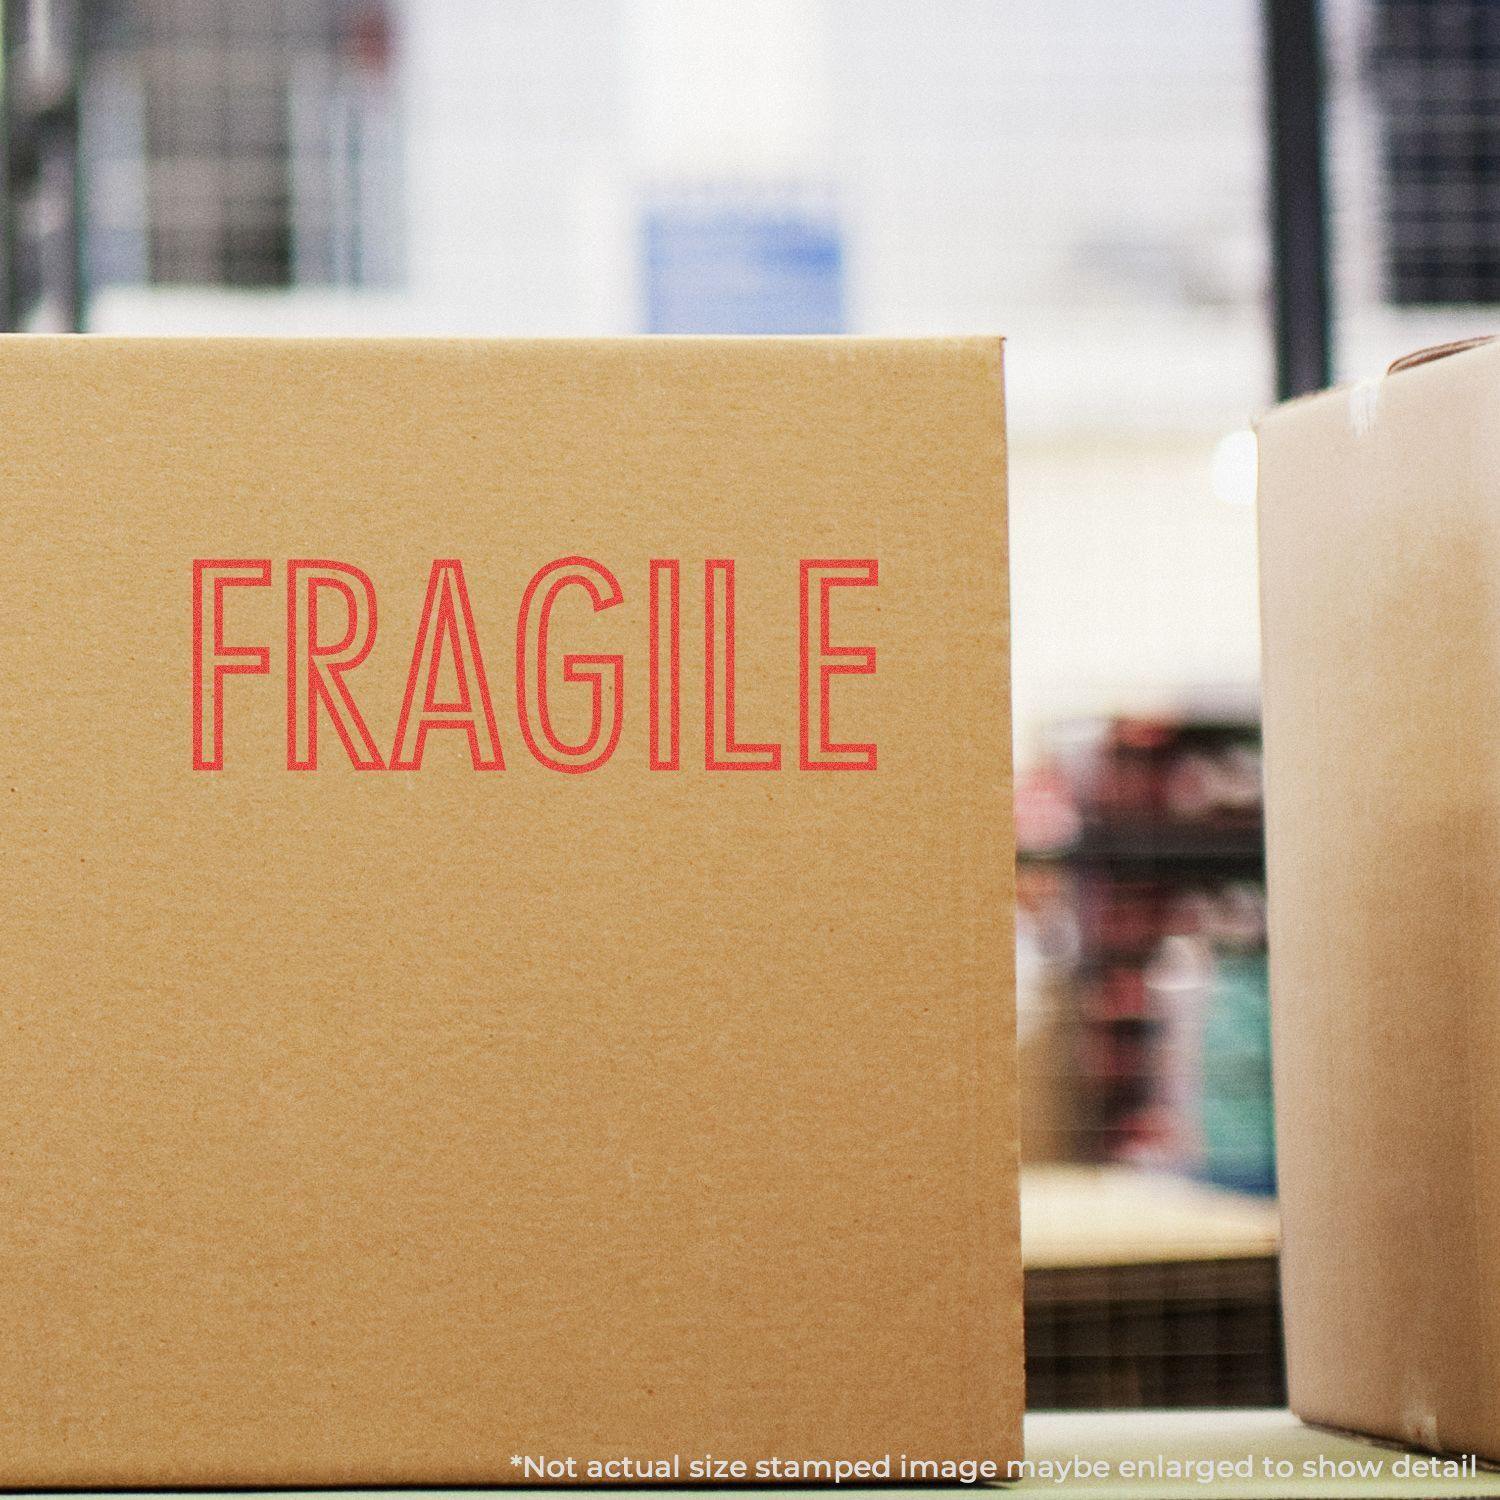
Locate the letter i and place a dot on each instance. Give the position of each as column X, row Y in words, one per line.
column 665, row 596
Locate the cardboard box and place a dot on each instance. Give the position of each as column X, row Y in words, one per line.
column 1380, row 555
column 507, row 897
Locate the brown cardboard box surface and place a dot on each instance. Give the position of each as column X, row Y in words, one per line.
column 377, row 1126
column 1380, row 555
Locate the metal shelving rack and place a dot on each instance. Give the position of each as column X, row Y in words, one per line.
column 41, row 280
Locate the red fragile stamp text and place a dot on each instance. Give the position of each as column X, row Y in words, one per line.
column 452, row 678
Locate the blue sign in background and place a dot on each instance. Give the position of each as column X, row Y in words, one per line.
column 741, row 269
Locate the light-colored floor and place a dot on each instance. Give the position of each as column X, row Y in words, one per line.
column 1248, row 1440
column 1264, row 1438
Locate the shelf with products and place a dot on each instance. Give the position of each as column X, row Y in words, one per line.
column 1141, row 869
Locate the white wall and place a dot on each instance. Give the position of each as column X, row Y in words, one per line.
column 1134, row 585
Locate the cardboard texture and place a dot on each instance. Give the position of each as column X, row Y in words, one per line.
column 384, row 1125
column 1380, row 555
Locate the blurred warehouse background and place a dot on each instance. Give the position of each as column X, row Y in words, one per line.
column 1097, row 183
